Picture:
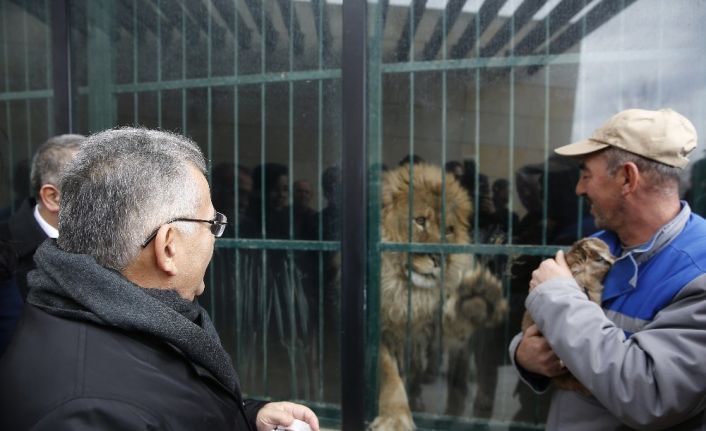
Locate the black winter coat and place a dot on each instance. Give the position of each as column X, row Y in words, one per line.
column 87, row 376
column 22, row 234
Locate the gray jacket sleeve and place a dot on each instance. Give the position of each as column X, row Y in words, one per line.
column 654, row 379
column 537, row 382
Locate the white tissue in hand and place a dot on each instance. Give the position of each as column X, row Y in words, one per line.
column 297, row 425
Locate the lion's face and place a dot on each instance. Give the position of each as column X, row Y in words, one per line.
column 424, row 224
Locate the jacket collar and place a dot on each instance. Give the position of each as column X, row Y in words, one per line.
column 623, row 276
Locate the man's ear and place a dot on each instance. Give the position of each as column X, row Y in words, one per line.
column 49, row 197
column 165, row 249
column 631, row 177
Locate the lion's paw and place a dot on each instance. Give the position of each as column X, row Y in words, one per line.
column 401, row 422
column 477, row 303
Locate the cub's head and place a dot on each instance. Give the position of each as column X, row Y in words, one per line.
column 590, row 257
column 424, row 224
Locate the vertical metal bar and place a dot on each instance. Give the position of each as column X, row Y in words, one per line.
column 8, row 106
column 621, row 46
column 28, row 118
column 319, row 171
column 209, row 132
column 101, row 99
column 183, row 66
column 159, row 64
column 48, row 72
column 476, row 219
column 354, row 222
column 511, row 153
column 263, row 196
column 135, row 65
column 545, row 158
column 375, row 164
column 582, row 112
column 580, row 201
column 236, row 163
column 444, row 102
column 61, row 67
column 410, row 214
column 290, row 145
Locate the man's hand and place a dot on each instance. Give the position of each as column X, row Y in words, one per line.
column 283, row 413
column 535, row 355
column 550, row 268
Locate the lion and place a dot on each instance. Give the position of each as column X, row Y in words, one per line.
column 589, row 260
column 466, row 294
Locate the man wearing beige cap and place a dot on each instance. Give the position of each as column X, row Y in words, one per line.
column 641, row 353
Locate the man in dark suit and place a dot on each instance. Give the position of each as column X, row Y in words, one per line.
column 37, row 217
column 34, row 221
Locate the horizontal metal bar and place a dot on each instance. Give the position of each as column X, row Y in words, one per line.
column 223, row 81
column 535, row 60
column 430, row 421
column 414, row 66
column 26, row 95
column 495, row 249
column 275, row 244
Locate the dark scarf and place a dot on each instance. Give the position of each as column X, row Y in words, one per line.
column 77, row 287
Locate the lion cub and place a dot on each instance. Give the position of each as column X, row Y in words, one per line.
column 589, row 260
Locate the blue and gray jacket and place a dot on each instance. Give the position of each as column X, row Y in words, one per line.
column 642, row 354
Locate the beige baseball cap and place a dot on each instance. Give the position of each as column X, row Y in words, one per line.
column 665, row 136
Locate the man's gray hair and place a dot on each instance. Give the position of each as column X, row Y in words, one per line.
column 122, row 185
column 661, row 177
column 51, row 158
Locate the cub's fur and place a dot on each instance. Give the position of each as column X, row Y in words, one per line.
column 472, row 296
column 589, row 260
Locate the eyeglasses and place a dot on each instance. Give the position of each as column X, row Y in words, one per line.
column 218, row 225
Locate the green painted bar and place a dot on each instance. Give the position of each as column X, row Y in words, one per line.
column 319, row 172
column 534, row 60
column 101, row 100
column 236, row 212
column 263, row 220
column 476, row 216
column 183, row 70
column 511, row 152
column 135, row 65
column 49, row 71
column 220, row 81
column 25, row 57
column 274, row 244
column 375, row 119
column 480, row 249
column 159, row 62
column 290, row 147
column 420, row 66
column 444, row 150
column 8, row 113
column 24, row 95
column 410, row 208
column 209, row 134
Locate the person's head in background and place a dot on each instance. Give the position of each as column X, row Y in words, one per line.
column 414, row 159
column 276, row 185
column 245, row 189
column 455, row 168
column 48, row 164
column 501, row 193
column 303, row 194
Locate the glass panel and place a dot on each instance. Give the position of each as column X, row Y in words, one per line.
column 486, row 90
column 26, row 117
column 256, row 85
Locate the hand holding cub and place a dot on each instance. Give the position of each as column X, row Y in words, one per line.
column 549, row 269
